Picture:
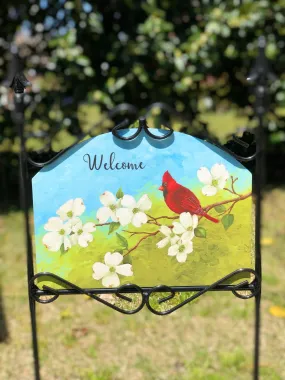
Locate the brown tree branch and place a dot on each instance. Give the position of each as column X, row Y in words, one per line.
column 102, row 224
column 235, row 200
column 139, row 242
column 232, row 190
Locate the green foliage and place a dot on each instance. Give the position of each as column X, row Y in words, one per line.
column 123, row 242
column 200, row 232
column 220, row 208
column 228, row 220
column 194, row 58
column 120, row 193
column 113, row 227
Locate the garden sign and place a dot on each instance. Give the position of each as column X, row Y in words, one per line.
column 109, row 212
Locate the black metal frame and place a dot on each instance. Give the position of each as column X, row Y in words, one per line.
column 260, row 75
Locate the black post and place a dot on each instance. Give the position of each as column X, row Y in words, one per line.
column 260, row 75
column 19, row 84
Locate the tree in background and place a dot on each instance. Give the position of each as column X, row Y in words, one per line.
column 193, row 55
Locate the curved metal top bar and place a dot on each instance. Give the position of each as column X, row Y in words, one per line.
column 132, row 110
column 142, row 127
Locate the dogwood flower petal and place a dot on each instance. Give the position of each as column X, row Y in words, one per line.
column 188, row 247
column 107, row 198
column 139, row 219
column 209, row 190
column 89, row 227
column 66, row 243
column 73, row 239
column 174, row 239
column 100, row 270
column 124, row 269
column 204, row 175
column 53, row 224
column 84, row 239
column 65, row 208
column 124, row 216
column 144, row 203
column 218, row 171
column 195, row 221
column 113, row 259
column 178, row 228
column 222, row 182
column 78, row 207
column 111, row 280
column 186, row 219
column 188, row 235
column 128, row 201
column 181, row 257
column 165, row 230
column 173, row 250
column 78, row 226
column 103, row 214
column 52, row 241
column 162, row 243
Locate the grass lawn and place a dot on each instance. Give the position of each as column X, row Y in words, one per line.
column 80, row 339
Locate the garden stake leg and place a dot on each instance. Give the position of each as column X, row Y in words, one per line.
column 19, row 83
column 260, row 75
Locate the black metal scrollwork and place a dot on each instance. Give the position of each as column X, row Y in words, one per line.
column 142, row 127
column 145, row 293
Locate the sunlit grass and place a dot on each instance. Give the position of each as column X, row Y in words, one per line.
column 210, row 339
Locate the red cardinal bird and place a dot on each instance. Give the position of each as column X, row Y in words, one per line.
column 180, row 199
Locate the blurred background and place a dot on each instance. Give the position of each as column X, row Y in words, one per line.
column 83, row 59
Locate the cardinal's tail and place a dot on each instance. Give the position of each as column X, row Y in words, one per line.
column 214, row 220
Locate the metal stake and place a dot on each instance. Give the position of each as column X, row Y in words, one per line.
column 18, row 85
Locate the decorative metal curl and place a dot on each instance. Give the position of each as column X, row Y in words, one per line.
column 213, row 286
column 145, row 293
column 54, row 293
column 142, row 127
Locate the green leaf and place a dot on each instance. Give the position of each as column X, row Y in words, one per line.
column 113, row 227
column 122, row 241
column 200, row 232
column 128, row 259
column 228, row 220
column 220, row 208
column 120, row 193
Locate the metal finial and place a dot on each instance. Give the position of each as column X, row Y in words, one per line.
column 261, row 69
column 19, row 83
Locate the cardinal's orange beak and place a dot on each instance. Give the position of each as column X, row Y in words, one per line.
column 160, row 188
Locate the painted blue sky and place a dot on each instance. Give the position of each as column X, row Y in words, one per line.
column 70, row 177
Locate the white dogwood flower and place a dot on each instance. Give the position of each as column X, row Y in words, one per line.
column 71, row 210
column 213, row 180
column 58, row 234
column 170, row 237
column 186, row 226
column 110, row 204
column 82, row 233
column 109, row 271
column 132, row 211
column 181, row 249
